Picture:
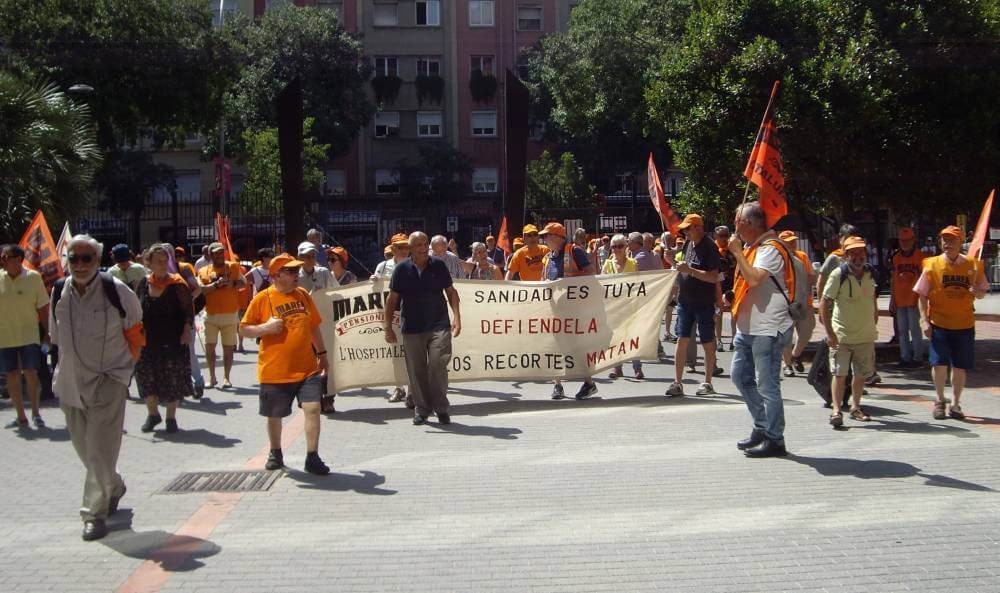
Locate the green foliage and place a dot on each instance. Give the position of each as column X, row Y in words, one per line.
column 439, row 174
column 429, row 87
column 48, row 154
column 483, row 86
column 561, row 184
column 306, row 44
column 262, row 189
column 386, row 88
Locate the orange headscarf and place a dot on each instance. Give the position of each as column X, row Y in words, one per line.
column 163, row 284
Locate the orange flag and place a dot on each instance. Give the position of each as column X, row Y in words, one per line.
column 40, row 253
column 222, row 230
column 765, row 169
column 503, row 241
column 668, row 218
column 976, row 245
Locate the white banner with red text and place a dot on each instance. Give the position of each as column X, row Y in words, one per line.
column 520, row 331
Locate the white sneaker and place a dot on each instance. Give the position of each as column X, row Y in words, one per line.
column 705, row 389
column 675, row 390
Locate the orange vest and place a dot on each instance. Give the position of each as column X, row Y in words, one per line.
column 740, row 287
column 950, row 298
column 570, row 268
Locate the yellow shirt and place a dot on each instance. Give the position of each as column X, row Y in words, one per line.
column 286, row 357
column 611, row 268
column 527, row 262
column 948, row 289
column 20, row 300
column 223, row 299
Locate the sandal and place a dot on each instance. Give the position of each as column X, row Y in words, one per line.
column 639, row 375
column 956, row 412
column 837, row 420
column 859, row 415
column 939, row 411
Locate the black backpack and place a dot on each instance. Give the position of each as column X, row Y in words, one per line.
column 110, row 292
column 820, row 377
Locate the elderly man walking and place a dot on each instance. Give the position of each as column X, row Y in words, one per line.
column 24, row 302
column 764, row 273
column 420, row 285
column 94, row 319
column 947, row 286
column 849, row 312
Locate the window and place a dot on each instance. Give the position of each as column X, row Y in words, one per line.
column 386, row 124
column 428, row 12
column 385, row 15
column 387, row 66
column 484, row 180
column 335, row 183
column 484, row 123
column 480, row 13
column 624, row 184
column 529, row 18
column 523, row 66
column 482, row 63
column 386, row 181
column 429, row 124
column 429, row 66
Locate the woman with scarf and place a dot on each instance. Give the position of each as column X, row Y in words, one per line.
column 164, row 368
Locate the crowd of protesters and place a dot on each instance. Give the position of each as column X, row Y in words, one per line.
column 138, row 320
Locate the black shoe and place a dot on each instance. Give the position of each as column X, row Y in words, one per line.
column 199, row 391
column 444, row 418
column 586, row 390
column 756, row 437
column 150, row 423
column 113, row 503
column 419, row 420
column 171, row 425
column 94, row 529
column 315, row 465
column 798, row 366
column 275, row 460
column 557, row 392
column 768, row 448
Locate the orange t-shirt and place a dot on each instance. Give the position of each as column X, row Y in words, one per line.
column 527, row 262
column 906, row 270
column 287, row 357
column 225, row 299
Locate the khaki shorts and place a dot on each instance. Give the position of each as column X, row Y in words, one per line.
column 860, row 357
column 224, row 325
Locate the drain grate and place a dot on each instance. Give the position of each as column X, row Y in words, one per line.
column 231, row 481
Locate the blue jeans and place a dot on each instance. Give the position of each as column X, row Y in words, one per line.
column 757, row 374
column 911, row 339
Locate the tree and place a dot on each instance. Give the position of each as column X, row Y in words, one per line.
column 440, row 173
column 557, row 185
column 48, row 154
column 262, row 189
column 300, row 62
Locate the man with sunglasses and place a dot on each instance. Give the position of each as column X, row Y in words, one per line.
column 292, row 361
column 24, row 302
column 96, row 358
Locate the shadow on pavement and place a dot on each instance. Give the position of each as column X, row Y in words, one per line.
column 196, row 436
column 982, row 421
column 874, row 469
column 483, row 393
column 175, row 553
column 365, row 483
column 916, row 427
column 209, row 406
column 56, row 435
column 497, row 432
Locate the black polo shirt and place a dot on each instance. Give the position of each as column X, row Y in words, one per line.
column 424, row 307
column 705, row 257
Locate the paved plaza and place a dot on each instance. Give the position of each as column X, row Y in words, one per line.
column 629, row 491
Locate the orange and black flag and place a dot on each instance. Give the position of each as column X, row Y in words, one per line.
column 765, row 169
column 503, row 239
column 668, row 218
column 222, row 230
column 40, row 252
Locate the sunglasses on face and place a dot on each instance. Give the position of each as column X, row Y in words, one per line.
column 85, row 258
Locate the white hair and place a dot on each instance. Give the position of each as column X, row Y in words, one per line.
column 619, row 238
column 89, row 241
column 478, row 245
column 635, row 237
column 438, row 239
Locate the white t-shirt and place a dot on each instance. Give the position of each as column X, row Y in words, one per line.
column 764, row 311
column 385, row 268
column 319, row 279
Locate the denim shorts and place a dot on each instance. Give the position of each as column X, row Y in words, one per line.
column 24, row 357
column 952, row 347
column 276, row 398
column 704, row 316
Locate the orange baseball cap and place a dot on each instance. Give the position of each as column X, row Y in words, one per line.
column 399, row 239
column 854, row 243
column 690, row 220
column 179, row 251
column 951, row 231
column 282, row 261
column 518, row 242
column 341, row 253
column 529, row 229
column 554, row 228
column 907, row 233
column 788, row 236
